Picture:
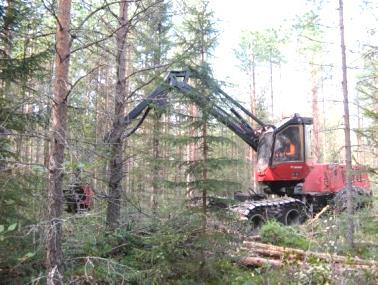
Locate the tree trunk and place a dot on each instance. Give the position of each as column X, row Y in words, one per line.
column 9, row 22
column 116, row 159
column 271, row 85
column 348, row 150
column 205, row 150
column 156, row 175
column 156, row 156
column 253, row 99
column 205, row 154
column 360, row 145
column 7, row 41
column 58, row 141
column 315, row 114
column 192, row 149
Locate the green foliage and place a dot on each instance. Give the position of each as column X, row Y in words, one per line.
column 4, row 230
column 174, row 254
column 108, row 244
column 260, row 47
column 19, row 62
column 153, row 43
column 13, row 121
column 330, row 233
column 310, row 34
column 278, row 234
column 316, row 273
column 256, row 48
column 20, row 254
column 198, row 35
column 169, row 253
column 368, row 100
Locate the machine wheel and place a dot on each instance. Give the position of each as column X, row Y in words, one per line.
column 293, row 214
column 71, row 207
column 255, row 222
column 292, row 217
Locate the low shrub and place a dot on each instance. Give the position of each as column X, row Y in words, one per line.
column 278, row 234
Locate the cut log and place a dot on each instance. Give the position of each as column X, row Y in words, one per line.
column 254, row 238
column 281, row 252
column 276, row 254
column 259, row 261
column 256, row 261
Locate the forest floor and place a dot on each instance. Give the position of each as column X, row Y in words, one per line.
column 176, row 250
column 317, row 251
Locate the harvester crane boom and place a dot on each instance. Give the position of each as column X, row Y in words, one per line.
column 284, row 165
column 178, row 80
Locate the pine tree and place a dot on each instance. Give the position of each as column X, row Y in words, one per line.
column 116, row 166
column 348, row 147
column 258, row 47
column 58, row 144
column 310, row 36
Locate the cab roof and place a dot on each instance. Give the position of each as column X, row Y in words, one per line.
column 296, row 119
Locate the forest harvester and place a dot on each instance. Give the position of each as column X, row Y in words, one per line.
column 291, row 182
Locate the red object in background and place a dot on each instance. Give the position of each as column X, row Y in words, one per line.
column 88, row 194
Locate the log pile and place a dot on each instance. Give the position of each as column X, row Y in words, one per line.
column 276, row 256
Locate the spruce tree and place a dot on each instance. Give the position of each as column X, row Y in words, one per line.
column 367, row 87
column 20, row 67
column 152, row 47
column 200, row 40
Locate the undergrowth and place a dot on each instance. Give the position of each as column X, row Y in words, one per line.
column 175, row 250
column 329, row 233
column 278, row 234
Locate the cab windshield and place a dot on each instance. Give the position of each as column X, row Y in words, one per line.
column 264, row 151
column 289, row 145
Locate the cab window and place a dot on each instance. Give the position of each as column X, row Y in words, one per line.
column 264, row 151
column 308, row 139
column 288, row 145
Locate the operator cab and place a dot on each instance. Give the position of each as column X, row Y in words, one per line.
column 283, row 152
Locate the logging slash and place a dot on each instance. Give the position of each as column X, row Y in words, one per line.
column 276, row 256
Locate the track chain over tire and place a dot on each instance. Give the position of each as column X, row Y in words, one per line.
column 286, row 210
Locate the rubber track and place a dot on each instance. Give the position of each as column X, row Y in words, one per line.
column 269, row 209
